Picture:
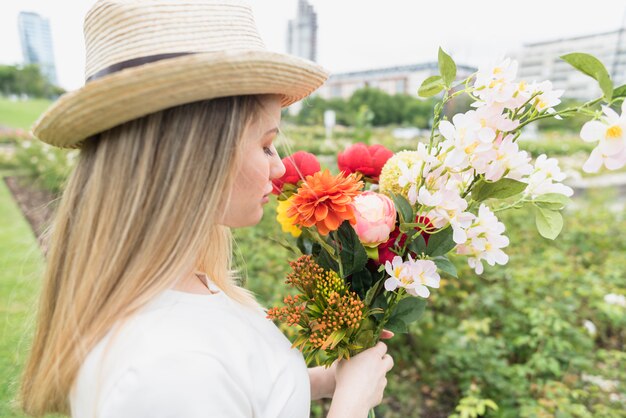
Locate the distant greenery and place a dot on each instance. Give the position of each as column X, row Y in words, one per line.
column 404, row 110
column 26, row 80
column 536, row 338
column 387, row 109
column 572, row 124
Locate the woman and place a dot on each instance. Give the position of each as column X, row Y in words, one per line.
column 140, row 313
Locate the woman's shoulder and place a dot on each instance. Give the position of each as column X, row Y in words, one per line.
column 168, row 331
column 186, row 383
column 178, row 321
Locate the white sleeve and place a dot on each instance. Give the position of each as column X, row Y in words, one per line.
column 180, row 385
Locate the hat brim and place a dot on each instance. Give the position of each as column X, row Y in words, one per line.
column 135, row 92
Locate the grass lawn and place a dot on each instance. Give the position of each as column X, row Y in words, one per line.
column 21, row 263
column 21, row 114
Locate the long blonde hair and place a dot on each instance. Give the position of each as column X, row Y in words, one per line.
column 140, row 211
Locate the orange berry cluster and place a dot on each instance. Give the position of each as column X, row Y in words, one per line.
column 325, row 305
column 291, row 313
column 342, row 312
column 306, row 272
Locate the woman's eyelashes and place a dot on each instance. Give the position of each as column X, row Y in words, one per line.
column 270, row 150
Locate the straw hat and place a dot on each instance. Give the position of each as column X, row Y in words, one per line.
column 148, row 55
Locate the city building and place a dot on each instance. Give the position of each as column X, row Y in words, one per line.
column 404, row 79
column 302, row 32
column 36, row 40
column 540, row 61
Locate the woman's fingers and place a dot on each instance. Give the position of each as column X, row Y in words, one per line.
column 385, row 335
column 388, row 362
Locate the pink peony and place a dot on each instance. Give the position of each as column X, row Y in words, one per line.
column 375, row 218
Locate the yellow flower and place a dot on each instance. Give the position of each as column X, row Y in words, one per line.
column 390, row 173
column 287, row 223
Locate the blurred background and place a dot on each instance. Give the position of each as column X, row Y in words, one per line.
column 542, row 336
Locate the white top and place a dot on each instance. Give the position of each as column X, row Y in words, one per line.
column 188, row 355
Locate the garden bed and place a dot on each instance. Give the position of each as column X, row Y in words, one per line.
column 37, row 205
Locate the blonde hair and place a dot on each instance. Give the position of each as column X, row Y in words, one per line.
column 140, row 211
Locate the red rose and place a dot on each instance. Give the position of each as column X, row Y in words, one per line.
column 368, row 161
column 297, row 167
column 384, row 250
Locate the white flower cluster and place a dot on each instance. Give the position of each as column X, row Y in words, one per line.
column 546, row 178
column 413, row 275
column 481, row 142
column 610, row 134
column 496, row 86
column 484, row 241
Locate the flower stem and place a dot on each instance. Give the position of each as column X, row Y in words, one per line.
column 390, row 307
column 512, row 205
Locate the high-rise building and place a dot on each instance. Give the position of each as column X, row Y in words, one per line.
column 540, row 61
column 302, row 32
column 36, row 40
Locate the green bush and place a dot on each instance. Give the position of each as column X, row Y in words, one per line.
column 556, row 143
column 514, row 336
column 517, row 337
column 387, row 109
column 44, row 164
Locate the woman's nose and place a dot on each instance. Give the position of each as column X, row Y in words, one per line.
column 277, row 168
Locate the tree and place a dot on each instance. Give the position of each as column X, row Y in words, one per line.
column 26, row 80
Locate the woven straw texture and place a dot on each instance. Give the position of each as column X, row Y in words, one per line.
column 224, row 56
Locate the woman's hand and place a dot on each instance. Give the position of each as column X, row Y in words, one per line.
column 323, row 380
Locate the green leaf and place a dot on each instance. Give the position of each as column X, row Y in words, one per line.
column 552, row 201
column 305, row 245
column 409, row 309
column 418, row 245
column 590, row 65
column 301, row 339
column 365, row 338
column 440, row 243
column 446, row 266
column 336, row 337
column 500, row 189
column 447, row 68
column 371, row 293
column 431, row 86
column 404, row 208
column 286, row 245
column 397, row 326
column 620, row 91
column 491, row 404
column 352, row 254
column 549, row 222
column 313, row 355
column 325, row 260
column 362, row 281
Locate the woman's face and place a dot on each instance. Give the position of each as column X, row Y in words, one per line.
column 260, row 163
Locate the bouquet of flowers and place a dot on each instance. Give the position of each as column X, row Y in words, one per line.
column 375, row 239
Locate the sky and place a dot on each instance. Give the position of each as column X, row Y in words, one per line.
column 359, row 34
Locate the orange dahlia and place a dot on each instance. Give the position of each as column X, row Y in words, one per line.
column 325, row 201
